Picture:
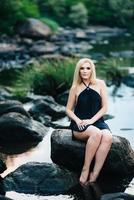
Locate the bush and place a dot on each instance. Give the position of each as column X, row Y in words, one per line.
column 78, row 15
column 50, row 78
column 123, row 11
column 51, row 23
column 14, row 11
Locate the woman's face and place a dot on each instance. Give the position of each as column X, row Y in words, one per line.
column 85, row 71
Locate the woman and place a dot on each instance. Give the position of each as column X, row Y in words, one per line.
column 87, row 103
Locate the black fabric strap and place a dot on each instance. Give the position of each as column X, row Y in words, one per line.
column 87, row 86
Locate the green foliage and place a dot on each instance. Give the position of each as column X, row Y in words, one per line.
column 123, row 11
column 8, row 76
column 54, row 9
column 54, row 77
column 51, row 78
column 51, row 23
column 99, row 12
column 113, row 69
column 59, row 10
column 66, row 12
column 78, row 15
column 14, row 11
column 29, row 8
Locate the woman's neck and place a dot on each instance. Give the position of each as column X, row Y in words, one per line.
column 86, row 81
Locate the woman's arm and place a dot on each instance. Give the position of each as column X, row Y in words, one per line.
column 70, row 105
column 103, row 110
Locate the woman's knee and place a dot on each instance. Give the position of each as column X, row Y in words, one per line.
column 95, row 134
column 107, row 138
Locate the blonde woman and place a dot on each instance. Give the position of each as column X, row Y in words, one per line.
column 87, row 103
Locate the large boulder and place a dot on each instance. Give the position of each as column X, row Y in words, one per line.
column 40, row 178
column 2, row 169
column 12, row 106
column 93, row 191
column 47, row 107
column 18, row 133
column 117, row 196
column 70, row 154
column 4, row 198
column 33, row 28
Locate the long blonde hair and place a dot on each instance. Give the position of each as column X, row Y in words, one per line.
column 77, row 79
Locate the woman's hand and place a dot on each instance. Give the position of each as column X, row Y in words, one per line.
column 80, row 124
column 87, row 122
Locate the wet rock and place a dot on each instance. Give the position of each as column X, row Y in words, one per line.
column 117, row 196
column 40, row 178
column 2, row 166
column 9, row 50
column 12, row 106
column 41, row 49
column 123, row 54
column 4, row 198
column 18, row 133
column 4, row 94
column 62, row 98
column 129, row 80
column 80, row 34
column 47, row 107
column 2, row 169
column 120, row 159
column 34, row 28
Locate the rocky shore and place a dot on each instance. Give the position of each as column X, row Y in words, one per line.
column 35, row 41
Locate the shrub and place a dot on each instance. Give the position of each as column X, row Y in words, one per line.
column 50, row 78
column 78, row 15
column 123, row 11
column 51, row 23
column 14, row 11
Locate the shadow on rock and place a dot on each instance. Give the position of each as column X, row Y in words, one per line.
column 19, row 133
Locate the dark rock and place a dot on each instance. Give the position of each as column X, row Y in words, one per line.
column 62, row 98
column 93, row 191
column 4, row 198
column 129, row 80
column 117, row 196
column 123, row 54
column 40, row 178
column 47, row 107
column 9, row 50
column 12, row 106
column 41, row 49
column 120, row 159
column 2, row 169
column 4, row 94
column 2, row 189
column 18, row 133
column 2, row 166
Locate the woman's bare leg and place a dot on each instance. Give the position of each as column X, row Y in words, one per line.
column 101, row 154
column 93, row 136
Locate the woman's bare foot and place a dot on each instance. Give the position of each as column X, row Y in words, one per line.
column 93, row 176
column 84, row 176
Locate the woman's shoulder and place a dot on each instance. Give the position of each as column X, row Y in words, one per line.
column 100, row 82
column 73, row 88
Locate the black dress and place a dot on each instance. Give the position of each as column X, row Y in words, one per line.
column 89, row 102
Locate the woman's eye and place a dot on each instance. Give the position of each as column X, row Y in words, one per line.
column 82, row 68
